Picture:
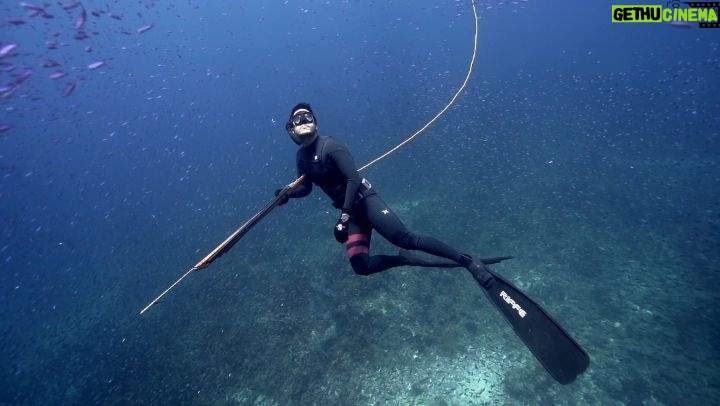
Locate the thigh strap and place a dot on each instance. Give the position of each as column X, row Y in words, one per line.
column 358, row 244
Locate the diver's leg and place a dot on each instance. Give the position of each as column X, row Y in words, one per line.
column 389, row 226
column 358, row 248
column 384, row 220
column 413, row 259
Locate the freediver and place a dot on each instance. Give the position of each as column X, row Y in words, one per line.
column 327, row 163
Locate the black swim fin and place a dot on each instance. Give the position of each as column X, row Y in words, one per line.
column 556, row 350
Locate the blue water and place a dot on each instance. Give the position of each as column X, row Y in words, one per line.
column 586, row 149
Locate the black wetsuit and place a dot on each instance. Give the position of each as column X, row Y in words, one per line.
column 328, row 163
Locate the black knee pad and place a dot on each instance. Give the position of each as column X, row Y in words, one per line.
column 360, row 264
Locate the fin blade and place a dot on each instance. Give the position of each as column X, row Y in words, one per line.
column 552, row 346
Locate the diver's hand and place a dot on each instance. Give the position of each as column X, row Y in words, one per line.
column 284, row 199
column 341, row 228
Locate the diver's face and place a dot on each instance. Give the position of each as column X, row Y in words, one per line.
column 304, row 125
column 304, row 129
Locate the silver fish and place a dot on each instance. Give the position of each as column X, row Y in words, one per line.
column 6, row 49
column 95, row 65
column 81, row 19
column 7, row 91
column 145, row 28
column 69, row 6
column 25, row 75
column 681, row 24
column 30, row 6
column 49, row 63
column 69, row 89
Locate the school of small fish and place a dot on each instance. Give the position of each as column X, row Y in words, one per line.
column 77, row 24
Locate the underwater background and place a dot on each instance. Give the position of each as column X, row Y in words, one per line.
column 586, row 149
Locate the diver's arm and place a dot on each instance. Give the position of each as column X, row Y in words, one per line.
column 305, row 186
column 302, row 190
